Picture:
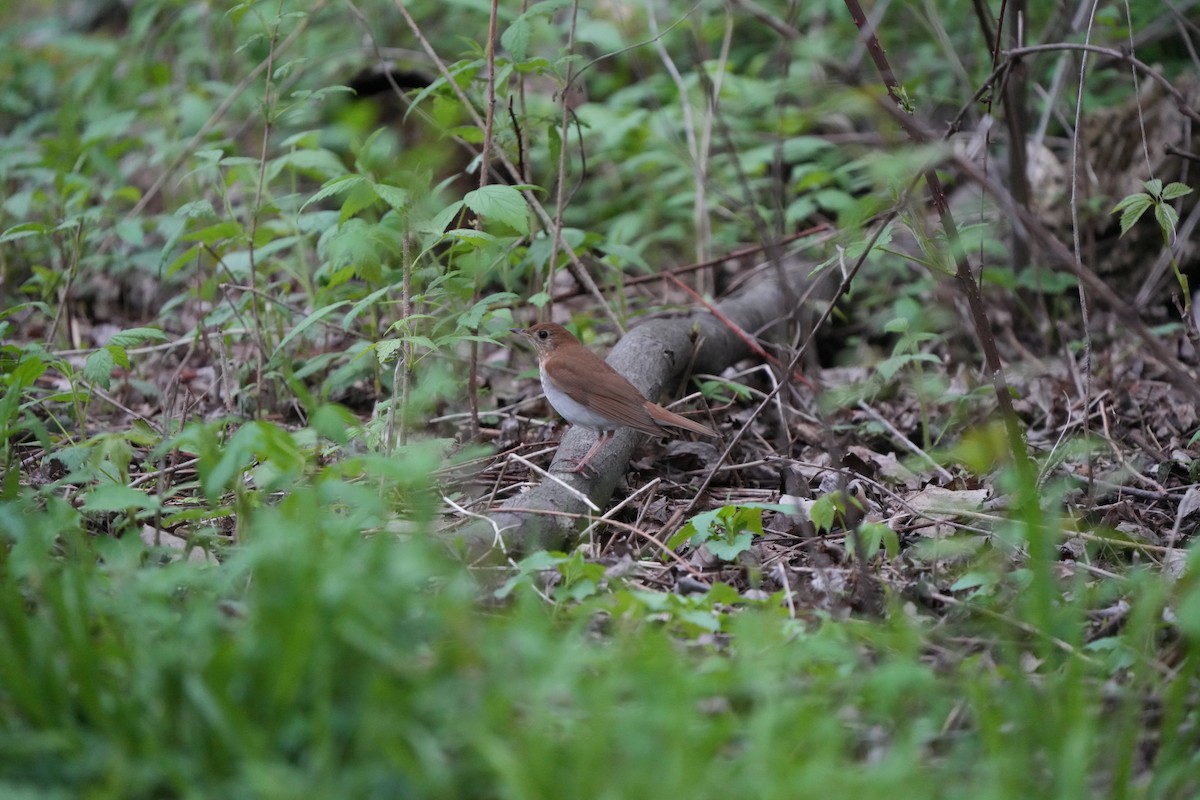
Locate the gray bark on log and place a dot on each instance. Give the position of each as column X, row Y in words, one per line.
column 652, row 356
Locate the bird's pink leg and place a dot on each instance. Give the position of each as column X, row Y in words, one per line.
column 600, row 440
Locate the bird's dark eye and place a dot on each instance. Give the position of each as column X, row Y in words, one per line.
column 543, row 334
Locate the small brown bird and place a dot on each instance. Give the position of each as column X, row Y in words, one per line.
column 587, row 392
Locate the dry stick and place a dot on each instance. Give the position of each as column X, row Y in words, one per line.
column 1116, row 55
column 750, row 341
column 648, row 489
column 63, row 312
column 579, row 271
column 1095, row 284
column 772, row 247
column 795, row 360
column 962, row 268
column 1016, row 118
column 966, row 281
column 907, row 443
column 268, row 106
column 624, row 526
column 1084, row 314
column 1044, row 238
column 220, row 262
column 485, row 159
column 1032, row 630
column 567, row 294
column 612, row 512
column 1058, row 79
column 782, row 27
column 498, row 537
column 583, row 498
column 106, row 396
column 560, row 183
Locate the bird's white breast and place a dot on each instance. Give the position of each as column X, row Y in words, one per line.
column 573, row 411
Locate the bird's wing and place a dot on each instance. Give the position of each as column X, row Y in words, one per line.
column 580, row 384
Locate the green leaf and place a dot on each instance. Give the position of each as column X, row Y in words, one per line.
column 472, row 318
column 119, row 355
column 470, row 236
column 134, row 337
column 1175, row 190
column 500, row 203
column 727, row 531
column 730, row 549
column 361, row 196
column 306, row 323
column 822, row 512
column 1167, row 218
column 217, row 232
column 386, row 349
column 516, row 38
column 394, row 196
column 257, row 444
column 98, row 368
column 363, row 305
column 116, row 497
column 318, row 163
column 23, row 230
column 875, row 535
column 442, row 219
column 336, row 186
column 888, row 368
column 1131, row 207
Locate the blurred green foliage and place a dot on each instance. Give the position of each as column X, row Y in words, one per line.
column 317, row 641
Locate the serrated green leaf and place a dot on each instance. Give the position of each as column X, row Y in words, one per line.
column 394, row 196
column 730, row 549
column 822, row 513
column 470, row 236
column 682, row 535
column 500, row 203
column 516, row 38
column 98, row 368
column 1167, row 218
column 120, row 357
column 335, row 186
column 440, row 221
column 1134, row 207
column 195, row 209
column 134, row 337
column 888, row 368
column 361, row 196
column 387, row 349
column 217, row 232
column 1174, row 190
column 1143, row 200
column 472, row 318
